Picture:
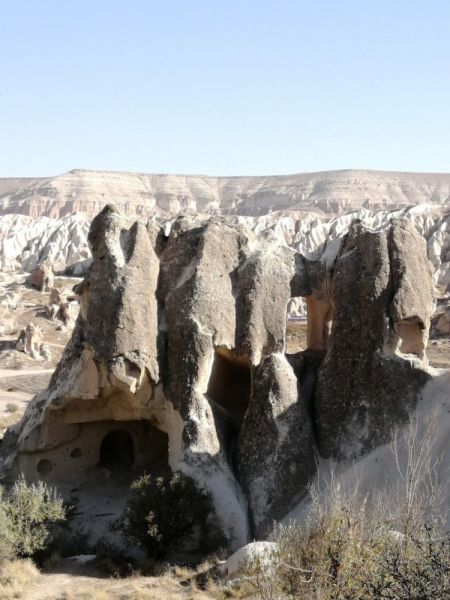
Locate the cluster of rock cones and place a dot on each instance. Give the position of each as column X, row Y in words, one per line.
column 180, row 341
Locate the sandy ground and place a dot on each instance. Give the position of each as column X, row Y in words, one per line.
column 27, row 305
column 438, row 350
column 70, row 581
column 295, row 336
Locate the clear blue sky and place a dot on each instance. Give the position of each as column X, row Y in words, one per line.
column 224, row 87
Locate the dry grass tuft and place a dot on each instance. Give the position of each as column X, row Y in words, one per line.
column 15, row 577
column 6, row 420
column 164, row 587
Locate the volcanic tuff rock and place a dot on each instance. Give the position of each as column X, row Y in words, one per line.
column 151, row 194
column 275, row 454
column 25, row 243
column 177, row 359
column 41, row 278
column 383, row 302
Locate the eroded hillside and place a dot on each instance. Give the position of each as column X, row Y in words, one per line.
column 146, row 194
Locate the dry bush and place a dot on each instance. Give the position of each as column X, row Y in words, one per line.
column 15, row 577
column 390, row 543
column 6, row 420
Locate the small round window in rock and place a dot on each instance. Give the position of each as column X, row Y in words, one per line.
column 76, row 453
column 44, row 467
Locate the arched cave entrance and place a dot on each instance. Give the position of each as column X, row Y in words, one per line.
column 117, row 451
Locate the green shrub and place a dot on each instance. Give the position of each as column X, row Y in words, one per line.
column 11, row 407
column 27, row 513
column 6, row 549
column 165, row 513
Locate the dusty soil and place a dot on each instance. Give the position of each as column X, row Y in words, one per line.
column 28, row 306
column 30, row 382
column 69, row 581
column 438, row 350
column 295, row 336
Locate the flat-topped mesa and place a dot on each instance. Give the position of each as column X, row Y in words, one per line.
column 177, row 360
column 146, row 194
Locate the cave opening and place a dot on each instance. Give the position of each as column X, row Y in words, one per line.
column 230, row 384
column 411, row 338
column 229, row 389
column 117, row 450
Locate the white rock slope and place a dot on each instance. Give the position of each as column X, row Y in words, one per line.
column 25, row 242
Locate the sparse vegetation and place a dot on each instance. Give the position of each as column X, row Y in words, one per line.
column 387, row 544
column 165, row 514
column 11, row 407
column 15, row 577
column 27, row 513
column 8, row 419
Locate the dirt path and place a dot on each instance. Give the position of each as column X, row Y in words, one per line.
column 14, row 379
column 19, row 372
column 55, row 586
column 21, row 399
column 59, row 586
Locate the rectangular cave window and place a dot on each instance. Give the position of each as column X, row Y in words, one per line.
column 230, row 383
column 411, row 338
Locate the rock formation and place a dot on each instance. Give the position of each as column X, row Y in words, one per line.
column 25, row 242
column 30, row 341
column 152, row 194
column 41, row 278
column 383, row 302
column 443, row 325
column 60, row 308
column 177, row 360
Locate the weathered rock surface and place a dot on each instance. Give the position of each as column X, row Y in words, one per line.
column 147, row 194
column 383, row 302
column 443, row 325
column 30, row 341
column 60, row 308
column 276, row 451
column 41, row 278
column 177, row 360
column 25, row 243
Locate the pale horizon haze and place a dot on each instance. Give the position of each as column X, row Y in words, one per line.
column 224, row 88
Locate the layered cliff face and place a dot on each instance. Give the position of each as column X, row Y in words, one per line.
column 178, row 360
column 330, row 192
